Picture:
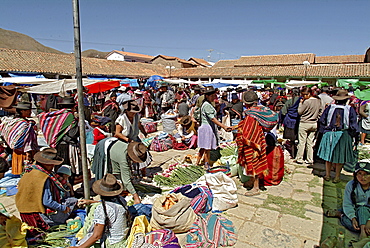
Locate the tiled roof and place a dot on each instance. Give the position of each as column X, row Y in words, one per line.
column 342, row 59
column 225, row 63
column 280, row 59
column 334, row 71
column 132, row 54
column 174, row 58
column 26, row 61
column 51, row 63
column 199, row 61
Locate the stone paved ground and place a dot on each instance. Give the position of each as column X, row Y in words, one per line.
column 287, row 215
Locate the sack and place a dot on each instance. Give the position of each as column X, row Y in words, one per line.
column 223, row 189
column 140, row 225
column 169, row 125
column 179, row 218
column 275, row 163
column 161, row 145
column 13, row 234
column 150, row 127
column 162, row 238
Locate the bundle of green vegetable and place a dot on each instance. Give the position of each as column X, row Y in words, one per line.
column 363, row 152
column 147, row 188
column 228, row 149
column 57, row 237
column 177, row 175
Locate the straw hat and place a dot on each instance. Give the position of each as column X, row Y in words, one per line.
column 137, row 152
column 107, row 186
column 48, row 156
column 341, row 95
column 185, row 120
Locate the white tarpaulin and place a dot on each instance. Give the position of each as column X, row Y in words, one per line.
column 235, row 82
column 177, row 81
column 26, row 80
column 297, row 83
column 59, row 87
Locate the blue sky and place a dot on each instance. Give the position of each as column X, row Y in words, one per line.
column 185, row 29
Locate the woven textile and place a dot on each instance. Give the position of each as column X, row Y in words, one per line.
column 55, row 125
column 18, row 133
column 211, row 231
column 251, row 147
column 265, row 116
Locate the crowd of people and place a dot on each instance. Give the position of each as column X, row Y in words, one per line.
column 311, row 123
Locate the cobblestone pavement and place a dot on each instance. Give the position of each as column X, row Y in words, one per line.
column 287, row 215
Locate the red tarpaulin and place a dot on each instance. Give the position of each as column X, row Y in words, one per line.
column 102, row 86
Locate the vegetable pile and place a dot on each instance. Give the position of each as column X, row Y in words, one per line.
column 177, row 175
column 228, row 149
column 169, row 202
column 57, row 237
column 363, row 152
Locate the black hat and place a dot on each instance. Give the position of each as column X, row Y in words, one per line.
column 23, row 105
column 131, row 106
column 196, row 87
column 209, row 90
column 67, row 102
column 249, row 97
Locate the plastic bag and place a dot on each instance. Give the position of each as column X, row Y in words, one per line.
column 13, row 234
column 140, row 225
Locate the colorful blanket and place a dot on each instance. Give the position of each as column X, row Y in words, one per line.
column 55, row 125
column 211, row 231
column 251, row 147
column 265, row 116
column 18, row 133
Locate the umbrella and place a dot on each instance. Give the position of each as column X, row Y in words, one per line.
column 154, row 78
column 102, row 86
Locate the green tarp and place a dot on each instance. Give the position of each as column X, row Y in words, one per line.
column 363, row 95
column 356, row 83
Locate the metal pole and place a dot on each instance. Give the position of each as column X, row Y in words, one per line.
column 81, row 114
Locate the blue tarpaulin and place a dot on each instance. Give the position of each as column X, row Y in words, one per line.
column 23, row 75
column 219, row 85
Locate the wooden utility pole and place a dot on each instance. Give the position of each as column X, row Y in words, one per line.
column 81, row 114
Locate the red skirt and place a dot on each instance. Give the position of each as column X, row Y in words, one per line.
column 275, row 164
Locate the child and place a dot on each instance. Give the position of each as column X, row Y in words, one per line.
column 186, row 132
column 63, row 173
column 356, row 207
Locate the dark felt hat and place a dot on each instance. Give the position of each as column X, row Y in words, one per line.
column 107, row 186
column 209, row 90
column 197, row 87
column 67, row 102
column 137, row 152
column 131, row 106
column 48, row 156
column 250, row 97
column 23, row 105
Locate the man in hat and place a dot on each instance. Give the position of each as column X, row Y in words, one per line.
column 251, row 141
column 20, row 136
column 40, row 190
column 167, row 98
column 117, row 161
column 124, row 96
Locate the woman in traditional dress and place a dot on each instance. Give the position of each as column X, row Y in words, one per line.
column 109, row 225
column 364, row 124
column 20, row 135
column 111, row 110
column 339, row 125
column 186, row 132
column 128, row 126
column 207, row 133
